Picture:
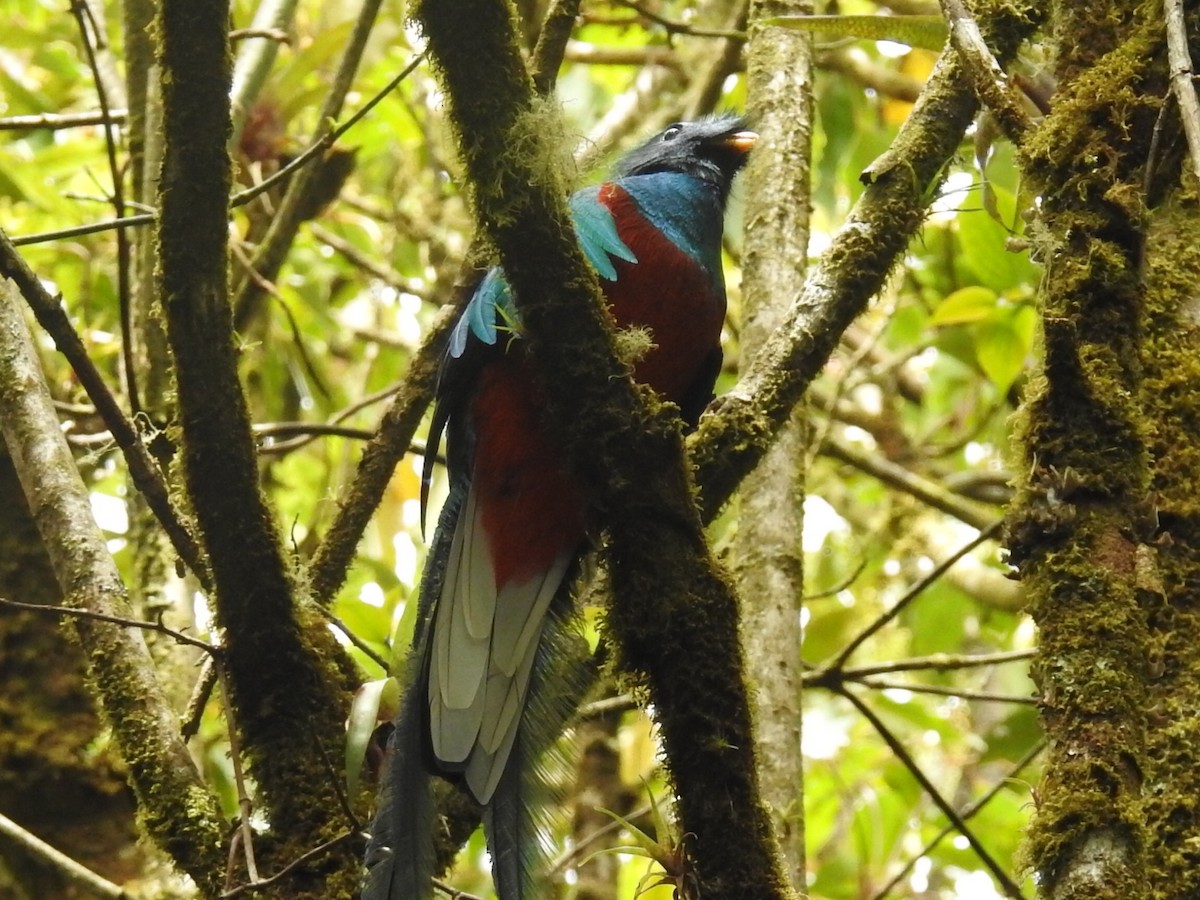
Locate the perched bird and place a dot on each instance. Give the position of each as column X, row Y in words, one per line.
column 514, row 524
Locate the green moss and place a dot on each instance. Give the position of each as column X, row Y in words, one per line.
column 1171, row 373
column 1076, row 523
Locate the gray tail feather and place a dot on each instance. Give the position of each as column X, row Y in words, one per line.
column 518, row 818
column 400, row 853
column 399, row 856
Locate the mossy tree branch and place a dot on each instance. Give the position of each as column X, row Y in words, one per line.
column 673, row 613
column 178, row 812
column 286, row 701
column 901, row 185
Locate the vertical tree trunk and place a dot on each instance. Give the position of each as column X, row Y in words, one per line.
column 1079, row 523
column 770, row 568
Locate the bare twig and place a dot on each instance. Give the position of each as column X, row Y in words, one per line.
column 87, row 28
column 245, row 804
column 915, row 591
column 965, row 694
column 296, row 863
column 1183, row 78
column 957, row 821
column 673, row 27
column 199, row 699
column 357, row 641
column 937, row 662
column 968, row 813
column 157, row 627
column 74, row 872
column 902, row 479
column 58, row 234
column 56, row 121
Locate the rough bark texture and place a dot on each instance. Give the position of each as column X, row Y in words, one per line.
column 1083, row 515
column 176, row 810
column 50, row 783
column 281, row 660
column 901, row 184
column 770, row 567
column 1170, row 575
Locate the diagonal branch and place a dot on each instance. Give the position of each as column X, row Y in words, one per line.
column 900, row 186
column 143, row 469
column 174, row 802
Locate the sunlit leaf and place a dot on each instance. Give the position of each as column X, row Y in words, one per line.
column 969, row 304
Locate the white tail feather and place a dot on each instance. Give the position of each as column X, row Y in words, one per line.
column 483, row 647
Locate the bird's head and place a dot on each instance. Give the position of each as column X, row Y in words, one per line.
column 712, row 149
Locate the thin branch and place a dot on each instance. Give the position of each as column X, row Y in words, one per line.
column 357, row 641
column 967, row 814
column 202, row 690
column 963, row 693
column 673, row 27
column 375, row 268
column 87, row 27
column 142, row 467
column 453, row 893
column 158, row 627
column 839, row 662
column 245, row 804
column 956, row 819
column 76, row 873
column 1183, row 78
column 301, row 433
column 326, row 140
column 896, row 476
column 59, row 234
column 990, row 82
column 599, row 55
column 58, row 121
column 295, row 864
column 937, row 662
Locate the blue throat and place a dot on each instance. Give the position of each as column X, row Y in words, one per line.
column 685, row 209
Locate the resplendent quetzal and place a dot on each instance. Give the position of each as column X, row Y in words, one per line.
column 513, row 527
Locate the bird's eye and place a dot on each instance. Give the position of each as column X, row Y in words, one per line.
column 672, row 132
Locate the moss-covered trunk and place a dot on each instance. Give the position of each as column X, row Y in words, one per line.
column 1083, row 528
column 58, row 779
column 1171, row 401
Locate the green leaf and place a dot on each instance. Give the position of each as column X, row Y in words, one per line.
column 372, row 699
column 1001, row 352
column 969, row 304
column 983, row 242
column 928, row 32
